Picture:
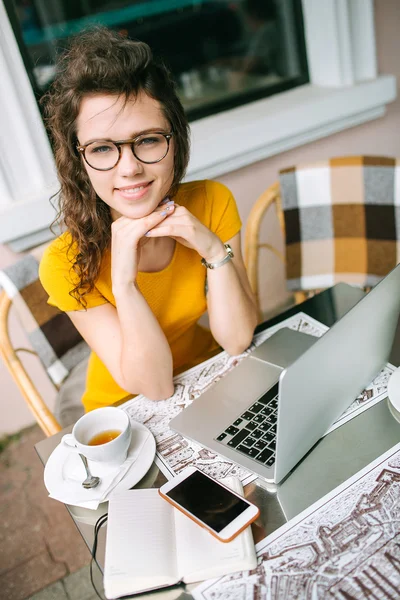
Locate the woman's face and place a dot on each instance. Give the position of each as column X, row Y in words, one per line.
column 132, row 189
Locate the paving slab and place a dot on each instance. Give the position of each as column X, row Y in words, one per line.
column 65, row 544
column 30, row 577
column 14, row 508
column 53, row 592
column 16, row 547
column 79, row 587
column 39, row 542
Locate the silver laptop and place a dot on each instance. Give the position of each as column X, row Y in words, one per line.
column 278, row 402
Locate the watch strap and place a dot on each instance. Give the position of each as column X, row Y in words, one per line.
column 223, row 261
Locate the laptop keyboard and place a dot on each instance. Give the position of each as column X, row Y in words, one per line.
column 253, row 432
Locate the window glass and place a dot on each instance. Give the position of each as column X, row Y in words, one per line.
column 222, row 53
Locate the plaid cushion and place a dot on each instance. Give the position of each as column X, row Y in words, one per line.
column 342, row 220
column 54, row 338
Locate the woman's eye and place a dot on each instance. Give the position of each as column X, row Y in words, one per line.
column 100, row 149
column 148, row 141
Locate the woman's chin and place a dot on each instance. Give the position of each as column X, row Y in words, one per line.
column 129, row 212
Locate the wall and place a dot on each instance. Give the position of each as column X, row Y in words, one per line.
column 378, row 137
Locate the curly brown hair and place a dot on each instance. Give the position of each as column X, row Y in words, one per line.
column 101, row 61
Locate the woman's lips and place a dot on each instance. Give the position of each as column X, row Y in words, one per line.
column 135, row 192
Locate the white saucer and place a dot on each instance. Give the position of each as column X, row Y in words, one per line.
column 62, row 461
column 393, row 389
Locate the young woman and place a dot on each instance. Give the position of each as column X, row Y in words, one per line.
column 133, row 267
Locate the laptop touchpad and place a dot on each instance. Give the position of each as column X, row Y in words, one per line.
column 283, row 347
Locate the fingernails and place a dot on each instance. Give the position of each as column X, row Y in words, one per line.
column 164, row 212
column 165, row 201
column 147, row 234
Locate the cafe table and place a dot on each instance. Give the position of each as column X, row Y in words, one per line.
column 334, row 459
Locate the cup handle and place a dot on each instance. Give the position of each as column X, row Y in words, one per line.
column 68, row 440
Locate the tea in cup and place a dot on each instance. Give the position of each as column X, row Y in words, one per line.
column 102, row 435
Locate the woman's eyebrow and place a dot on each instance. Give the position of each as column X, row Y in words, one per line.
column 134, row 135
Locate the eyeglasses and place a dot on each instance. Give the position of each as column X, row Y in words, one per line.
column 149, row 148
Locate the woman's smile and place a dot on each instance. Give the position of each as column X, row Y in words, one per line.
column 134, row 191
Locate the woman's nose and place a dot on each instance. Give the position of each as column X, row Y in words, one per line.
column 128, row 163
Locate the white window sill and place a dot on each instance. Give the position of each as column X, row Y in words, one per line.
column 236, row 138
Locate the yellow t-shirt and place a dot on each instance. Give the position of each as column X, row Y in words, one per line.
column 176, row 295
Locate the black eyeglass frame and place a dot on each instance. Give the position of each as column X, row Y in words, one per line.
column 131, row 142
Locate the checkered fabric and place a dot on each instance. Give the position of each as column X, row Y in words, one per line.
column 54, row 338
column 342, row 220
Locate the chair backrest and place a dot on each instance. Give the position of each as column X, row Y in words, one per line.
column 338, row 219
column 252, row 238
column 53, row 337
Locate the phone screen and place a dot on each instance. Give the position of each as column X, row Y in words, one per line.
column 208, row 501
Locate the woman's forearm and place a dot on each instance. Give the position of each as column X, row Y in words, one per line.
column 146, row 361
column 232, row 310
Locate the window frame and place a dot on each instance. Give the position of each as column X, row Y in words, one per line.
column 346, row 94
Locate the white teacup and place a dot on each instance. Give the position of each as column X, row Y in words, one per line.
column 94, row 424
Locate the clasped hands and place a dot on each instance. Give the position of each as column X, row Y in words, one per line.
column 167, row 220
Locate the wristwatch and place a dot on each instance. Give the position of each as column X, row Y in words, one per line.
column 215, row 265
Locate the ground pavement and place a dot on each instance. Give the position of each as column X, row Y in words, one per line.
column 42, row 555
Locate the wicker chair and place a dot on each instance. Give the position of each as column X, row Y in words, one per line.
column 9, row 355
column 352, row 198
column 55, row 341
column 253, row 244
